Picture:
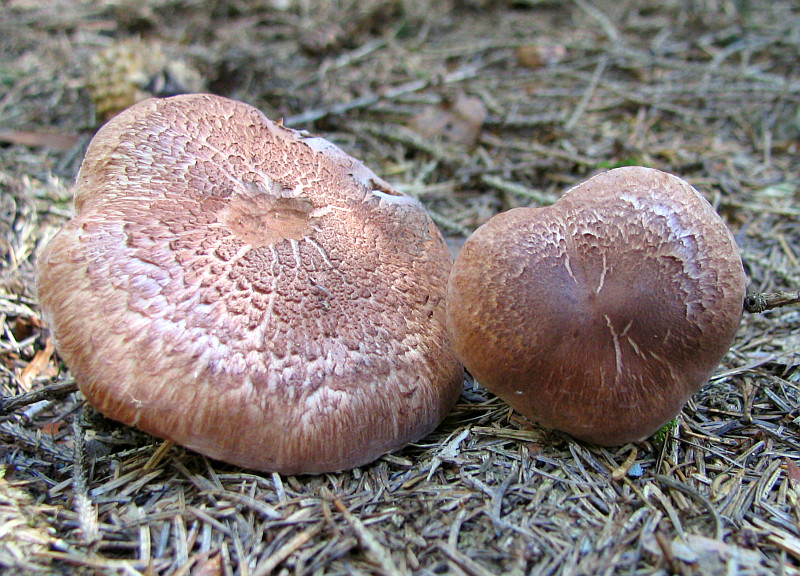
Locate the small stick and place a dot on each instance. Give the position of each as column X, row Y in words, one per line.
column 84, row 507
column 368, row 100
column 602, row 19
column 621, row 470
column 282, row 553
column 666, row 549
column 374, row 549
column 757, row 302
column 587, row 94
column 158, row 455
column 54, row 391
column 463, row 561
column 689, row 491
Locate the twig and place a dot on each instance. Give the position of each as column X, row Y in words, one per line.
column 622, row 470
column 254, row 504
column 54, row 391
column 757, row 302
column 602, row 19
column 497, row 499
column 447, row 223
column 463, row 561
column 35, row 440
column 280, row 491
column 665, row 544
column 778, row 536
column 449, row 451
column 373, row 548
column 158, row 455
column 689, row 491
column 370, row 99
column 84, row 508
column 455, row 528
column 587, row 94
column 282, row 553
column 505, row 186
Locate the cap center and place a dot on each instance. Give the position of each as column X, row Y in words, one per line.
column 261, row 219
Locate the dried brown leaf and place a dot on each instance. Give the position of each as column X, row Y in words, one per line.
column 52, row 140
column 457, row 121
column 538, row 55
column 40, row 365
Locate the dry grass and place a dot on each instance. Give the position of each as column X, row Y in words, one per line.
column 707, row 89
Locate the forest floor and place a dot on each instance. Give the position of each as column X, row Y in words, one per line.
column 473, row 107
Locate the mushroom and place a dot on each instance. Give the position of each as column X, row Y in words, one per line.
column 601, row 314
column 249, row 291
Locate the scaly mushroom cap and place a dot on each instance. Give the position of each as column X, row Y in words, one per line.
column 249, row 292
column 601, row 314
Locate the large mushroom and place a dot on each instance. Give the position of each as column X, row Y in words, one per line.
column 249, row 291
column 601, row 314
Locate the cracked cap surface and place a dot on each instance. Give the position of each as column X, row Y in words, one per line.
column 601, row 314
column 249, row 291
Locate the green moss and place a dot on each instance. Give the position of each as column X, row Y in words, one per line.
column 661, row 435
column 634, row 161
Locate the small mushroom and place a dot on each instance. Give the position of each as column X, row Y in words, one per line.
column 249, row 291
column 601, row 314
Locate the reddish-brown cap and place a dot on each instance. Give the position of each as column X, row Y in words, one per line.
column 601, row 314
column 249, row 291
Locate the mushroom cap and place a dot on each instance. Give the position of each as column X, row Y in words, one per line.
column 249, row 291
column 601, row 314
